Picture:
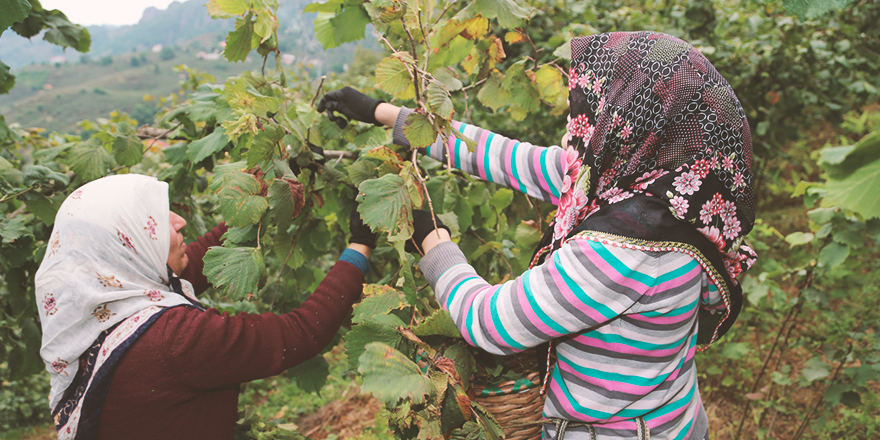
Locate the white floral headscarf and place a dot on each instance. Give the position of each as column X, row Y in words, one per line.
column 106, row 260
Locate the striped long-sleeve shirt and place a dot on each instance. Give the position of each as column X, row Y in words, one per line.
column 625, row 320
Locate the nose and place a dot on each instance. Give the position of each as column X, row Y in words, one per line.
column 177, row 222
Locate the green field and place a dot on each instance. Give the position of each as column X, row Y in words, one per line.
column 56, row 97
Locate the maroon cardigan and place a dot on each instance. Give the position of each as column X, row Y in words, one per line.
column 180, row 379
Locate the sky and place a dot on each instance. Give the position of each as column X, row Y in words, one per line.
column 96, row 12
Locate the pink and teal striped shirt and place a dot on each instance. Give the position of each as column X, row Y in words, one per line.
column 624, row 320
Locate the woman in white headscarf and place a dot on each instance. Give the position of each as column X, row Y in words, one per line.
column 130, row 350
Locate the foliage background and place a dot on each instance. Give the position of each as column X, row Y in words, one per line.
column 803, row 357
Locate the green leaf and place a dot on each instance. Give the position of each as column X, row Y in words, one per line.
column 392, row 76
column 840, row 162
column 14, row 229
column 464, row 362
column 44, row 208
column 510, row 14
column 455, row 410
column 833, row 254
column 89, row 160
column 384, row 204
column 563, row 51
column 236, row 235
column 390, row 376
column 286, row 198
column 449, row 79
column 381, row 300
column 815, row 369
column 324, row 30
column 856, row 191
column 490, row 426
column 492, row 94
column 457, row 50
column 239, row 202
column 61, row 32
column 524, row 97
column 439, row 101
column 735, row 350
column 419, row 131
column 809, row 9
column 198, row 150
column 439, row 323
column 328, row 6
column 226, row 8
column 128, row 150
column 360, row 171
column 238, row 42
column 311, row 375
column 236, row 272
column 381, row 328
column 13, row 11
column 849, row 237
column 754, row 289
column 350, row 24
column 266, row 143
column 501, row 199
column 7, row 82
column 798, row 238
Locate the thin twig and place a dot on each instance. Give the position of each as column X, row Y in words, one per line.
column 14, row 195
column 412, row 43
column 318, row 90
column 791, row 313
column 537, row 211
column 821, row 398
column 509, row 268
column 341, row 154
column 415, row 164
column 476, row 84
column 529, row 39
column 440, row 17
column 263, row 69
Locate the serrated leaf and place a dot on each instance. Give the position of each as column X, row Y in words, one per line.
column 286, row 198
column 419, row 130
column 456, row 409
column 815, row 369
column 235, row 272
column 239, row 202
column 238, row 42
column 523, row 93
column 551, row 85
column 226, row 8
column 464, row 362
column 238, row 235
column 439, row 323
column 89, row 160
column 501, row 199
column 455, row 51
column 392, row 76
column 7, row 82
column 390, row 376
column 382, row 299
column 61, row 32
column 14, row 229
column 509, row 14
column 44, row 208
column 381, row 328
column 198, row 150
column 311, row 375
column 14, row 11
column 324, row 30
column 360, row 171
column 492, row 94
column 449, row 79
column 384, row 204
column 439, row 101
column 266, row 143
column 833, row 254
column 128, row 150
column 350, row 24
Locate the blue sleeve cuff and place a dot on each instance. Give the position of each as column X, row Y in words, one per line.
column 358, row 259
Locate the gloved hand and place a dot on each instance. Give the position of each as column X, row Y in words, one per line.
column 423, row 223
column 349, row 103
column 294, row 166
column 360, row 232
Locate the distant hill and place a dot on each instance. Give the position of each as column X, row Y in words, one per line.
column 121, row 67
column 182, row 24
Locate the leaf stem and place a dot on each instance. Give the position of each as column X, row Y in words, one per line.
column 509, row 268
column 14, row 195
column 415, row 164
column 412, row 44
column 319, row 89
column 263, row 69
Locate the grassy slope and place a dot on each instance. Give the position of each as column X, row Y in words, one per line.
column 73, row 94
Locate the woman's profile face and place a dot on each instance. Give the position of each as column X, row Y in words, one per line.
column 177, row 258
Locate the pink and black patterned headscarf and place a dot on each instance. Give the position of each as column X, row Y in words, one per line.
column 652, row 119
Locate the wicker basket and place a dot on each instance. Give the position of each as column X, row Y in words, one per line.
column 512, row 409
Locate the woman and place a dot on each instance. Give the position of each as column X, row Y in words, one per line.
column 639, row 265
column 131, row 352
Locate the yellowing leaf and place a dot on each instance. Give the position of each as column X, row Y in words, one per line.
column 226, row 8
column 551, row 84
column 476, row 27
column 513, row 37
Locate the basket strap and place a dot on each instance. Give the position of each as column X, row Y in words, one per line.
column 642, row 429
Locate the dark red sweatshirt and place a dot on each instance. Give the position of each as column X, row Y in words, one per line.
column 180, row 379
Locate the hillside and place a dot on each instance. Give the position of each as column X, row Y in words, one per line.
column 121, row 66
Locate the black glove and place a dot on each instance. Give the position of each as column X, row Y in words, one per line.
column 313, row 164
column 349, row 103
column 360, row 232
column 423, row 223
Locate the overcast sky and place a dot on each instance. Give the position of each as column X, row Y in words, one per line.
column 94, row 12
